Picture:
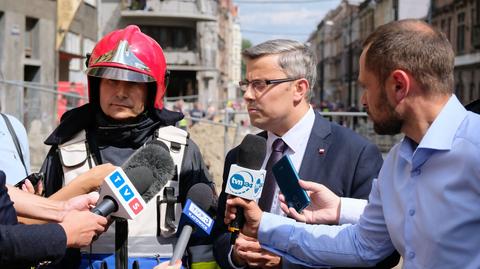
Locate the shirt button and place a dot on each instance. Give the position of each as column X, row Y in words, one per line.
column 411, row 212
column 411, row 255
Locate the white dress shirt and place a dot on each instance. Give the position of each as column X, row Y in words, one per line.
column 296, row 139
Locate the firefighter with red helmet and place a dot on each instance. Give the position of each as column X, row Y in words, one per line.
column 127, row 77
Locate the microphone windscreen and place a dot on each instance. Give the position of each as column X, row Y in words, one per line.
column 202, row 195
column 252, row 151
column 157, row 160
column 142, row 178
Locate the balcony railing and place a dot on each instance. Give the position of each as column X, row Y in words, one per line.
column 182, row 58
column 202, row 10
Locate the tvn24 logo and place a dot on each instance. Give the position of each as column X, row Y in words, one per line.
column 245, row 182
column 126, row 192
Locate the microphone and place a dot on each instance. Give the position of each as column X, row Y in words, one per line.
column 245, row 179
column 199, row 199
column 126, row 190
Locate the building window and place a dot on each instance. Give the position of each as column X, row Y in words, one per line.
column 2, row 27
column 172, row 37
column 477, row 94
column 183, row 83
column 443, row 27
column 459, row 91
column 472, row 92
column 31, row 37
column 472, row 27
column 459, row 88
column 461, row 32
column 449, row 25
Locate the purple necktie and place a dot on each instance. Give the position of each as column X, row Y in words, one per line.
column 278, row 148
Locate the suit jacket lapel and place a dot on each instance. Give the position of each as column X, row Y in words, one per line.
column 317, row 148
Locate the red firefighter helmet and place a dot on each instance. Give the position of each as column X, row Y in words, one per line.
column 130, row 55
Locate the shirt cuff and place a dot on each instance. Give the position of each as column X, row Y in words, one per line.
column 275, row 231
column 351, row 209
column 274, row 235
column 230, row 261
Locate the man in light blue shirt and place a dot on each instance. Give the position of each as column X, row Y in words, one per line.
column 425, row 203
column 10, row 161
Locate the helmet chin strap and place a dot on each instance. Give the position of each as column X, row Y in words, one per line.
column 152, row 92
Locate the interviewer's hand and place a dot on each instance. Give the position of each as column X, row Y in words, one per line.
column 93, row 178
column 251, row 211
column 164, row 265
column 82, row 202
column 323, row 209
column 81, row 226
column 247, row 250
column 84, row 183
column 28, row 187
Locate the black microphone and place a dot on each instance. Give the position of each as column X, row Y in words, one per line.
column 245, row 179
column 199, row 199
column 125, row 191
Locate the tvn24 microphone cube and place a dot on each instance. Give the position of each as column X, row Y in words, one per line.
column 245, row 183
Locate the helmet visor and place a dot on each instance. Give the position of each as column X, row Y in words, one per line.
column 119, row 74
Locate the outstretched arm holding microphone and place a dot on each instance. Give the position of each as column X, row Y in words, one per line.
column 84, row 183
column 29, row 244
column 32, row 209
column 311, row 244
column 323, row 209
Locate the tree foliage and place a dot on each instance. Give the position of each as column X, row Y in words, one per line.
column 245, row 45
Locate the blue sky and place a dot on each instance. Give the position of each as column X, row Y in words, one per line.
column 261, row 20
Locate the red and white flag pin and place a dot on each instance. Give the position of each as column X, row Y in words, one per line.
column 321, row 151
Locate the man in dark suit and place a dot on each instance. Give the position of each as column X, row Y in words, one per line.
column 24, row 245
column 277, row 91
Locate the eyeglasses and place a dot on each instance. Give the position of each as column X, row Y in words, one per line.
column 260, row 85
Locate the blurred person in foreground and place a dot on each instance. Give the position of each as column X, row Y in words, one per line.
column 425, row 201
column 15, row 161
column 127, row 80
column 277, row 92
column 22, row 246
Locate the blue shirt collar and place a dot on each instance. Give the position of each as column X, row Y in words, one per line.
column 440, row 134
